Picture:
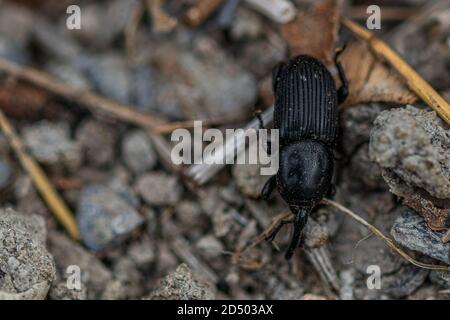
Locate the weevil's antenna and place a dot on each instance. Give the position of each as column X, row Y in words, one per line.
column 301, row 216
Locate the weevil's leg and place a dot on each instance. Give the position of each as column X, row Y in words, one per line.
column 343, row 90
column 268, row 188
column 301, row 217
column 275, row 231
column 275, row 74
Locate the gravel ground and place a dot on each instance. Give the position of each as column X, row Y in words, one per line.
column 148, row 232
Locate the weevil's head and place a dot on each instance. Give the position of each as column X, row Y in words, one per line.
column 305, row 172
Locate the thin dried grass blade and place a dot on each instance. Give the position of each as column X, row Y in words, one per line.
column 40, row 180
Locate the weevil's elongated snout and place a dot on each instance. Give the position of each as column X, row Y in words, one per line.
column 300, row 219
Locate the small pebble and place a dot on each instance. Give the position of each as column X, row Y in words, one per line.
column 248, row 179
column 13, row 52
column 27, row 269
column 182, row 284
column 138, row 152
column 94, row 275
column 110, row 75
column 417, row 151
column 68, row 74
column 144, row 90
column 97, row 141
column 159, row 189
column 50, row 143
column 411, row 231
column 209, row 247
column 60, row 291
column 104, row 218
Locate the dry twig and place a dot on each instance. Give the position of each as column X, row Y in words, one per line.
column 40, row 180
column 385, row 239
column 196, row 15
column 413, row 79
column 86, row 98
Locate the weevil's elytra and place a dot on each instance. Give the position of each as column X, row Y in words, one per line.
column 306, row 102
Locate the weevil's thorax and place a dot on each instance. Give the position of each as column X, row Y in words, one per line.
column 305, row 101
column 305, row 172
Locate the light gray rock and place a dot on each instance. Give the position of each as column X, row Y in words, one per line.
column 68, row 74
column 60, row 291
column 110, row 75
column 202, row 87
column 138, row 152
column 248, row 179
column 159, row 189
column 411, row 231
column 13, row 52
column 27, row 269
column 209, row 247
column 104, row 218
column 182, row 284
column 97, row 141
column 414, row 145
column 97, row 29
column 51, row 144
column 95, row 277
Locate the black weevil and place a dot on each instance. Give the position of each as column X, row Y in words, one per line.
column 306, row 102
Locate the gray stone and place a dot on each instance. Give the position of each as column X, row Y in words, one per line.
column 209, row 247
column 68, row 74
column 55, row 42
column 119, row 183
column 110, row 75
column 144, row 88
column 404, row 281
column 50, row 143
column 202, row 86
column 97, row 141
column 182, row 284
column 12, row 52
column 411, row 231
column 159, row 189
column 27, row 269
column 104, row 218
column 248, row 179
column 138, row 152
column 97, row 29
column 246, row 25
column 20, row 18
column 128, row 273
column 142, row 252
column 356, row 123
column 413, row 144
column 94, row 275
column 60, row 291
column 188, row 213
column 365, row 173
column 441, row 278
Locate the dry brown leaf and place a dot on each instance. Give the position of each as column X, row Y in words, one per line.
column 370, row 80
column 314, row 32
column 21, row 101
column 414, row 81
